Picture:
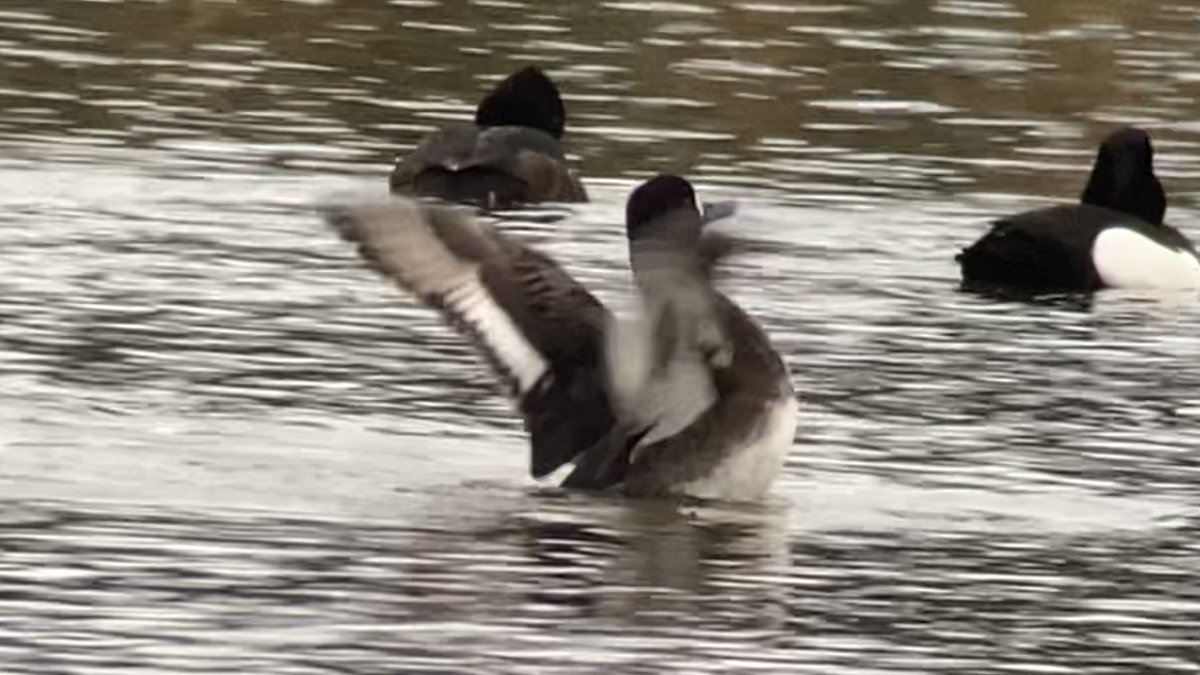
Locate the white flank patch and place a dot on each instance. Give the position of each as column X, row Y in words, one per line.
column 1125, row 258
column 475, row 305
column 748, row 471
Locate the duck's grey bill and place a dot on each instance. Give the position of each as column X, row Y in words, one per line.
column 718, row 210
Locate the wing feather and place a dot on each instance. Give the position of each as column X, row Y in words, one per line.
column 540, row 330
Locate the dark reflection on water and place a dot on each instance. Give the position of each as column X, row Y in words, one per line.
column 538, row 586
column 227, row 447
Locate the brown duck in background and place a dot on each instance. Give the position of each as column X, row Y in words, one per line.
column 510, row 155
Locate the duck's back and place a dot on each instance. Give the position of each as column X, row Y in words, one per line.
column 1080, row 247
column 1045, row 248
column 494, row 167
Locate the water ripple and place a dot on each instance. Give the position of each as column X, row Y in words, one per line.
column 228, row 447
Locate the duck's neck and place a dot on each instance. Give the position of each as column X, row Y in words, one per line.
column 1133, row 190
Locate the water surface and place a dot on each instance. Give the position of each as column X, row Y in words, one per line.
column 227, row 447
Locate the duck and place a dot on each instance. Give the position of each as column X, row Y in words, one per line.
column 686, row 398
column 1114, row 238
column 511, row 155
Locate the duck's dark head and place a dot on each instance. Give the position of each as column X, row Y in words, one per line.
column 650, row 204
column 527, row 98
column 1123, row 177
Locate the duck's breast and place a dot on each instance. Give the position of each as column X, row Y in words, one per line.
column 750, row 467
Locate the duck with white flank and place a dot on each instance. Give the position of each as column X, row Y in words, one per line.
column 1115, row 238
column 690, row 400
column 511, row 155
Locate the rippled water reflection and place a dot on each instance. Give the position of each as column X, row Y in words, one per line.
column 228, row 448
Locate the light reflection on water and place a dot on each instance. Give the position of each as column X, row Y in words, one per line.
column 227, row 447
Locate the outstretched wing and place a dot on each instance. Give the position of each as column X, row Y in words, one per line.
column 541, row 331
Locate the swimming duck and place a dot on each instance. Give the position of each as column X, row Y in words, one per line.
column 511, row 155
column 1114, row 238
column 690, row 399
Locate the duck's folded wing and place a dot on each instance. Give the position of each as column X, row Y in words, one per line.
column 1040, row 248
column 540, row 330
column 451, row 149
column 497, row 166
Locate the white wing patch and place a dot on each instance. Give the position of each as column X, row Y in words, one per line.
column 1125, row 258
column 472, row 302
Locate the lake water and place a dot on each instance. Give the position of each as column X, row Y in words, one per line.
column 227, row 447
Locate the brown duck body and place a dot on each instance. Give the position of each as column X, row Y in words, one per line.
column 511, row 155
